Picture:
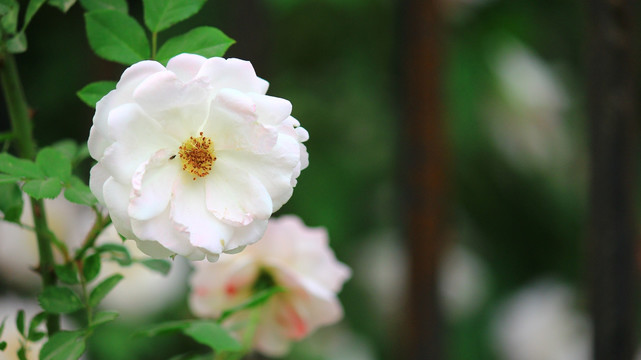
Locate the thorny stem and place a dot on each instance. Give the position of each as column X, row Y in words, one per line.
column 100, row 224
column 22, row 129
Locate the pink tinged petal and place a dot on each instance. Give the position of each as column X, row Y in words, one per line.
column 245, row 235
column 152, row 184
column 188, row 208
column 185, row 66
column 288, row 317
column 274, row 170
column 130, row 79
column 232, row 124
column 271, row 110
column 97, row 178
column 137, row 137
column 153, row 249
column 234, row 196
column 167, row 233
column 234, row 74
column 179, row 107
column 116, row 198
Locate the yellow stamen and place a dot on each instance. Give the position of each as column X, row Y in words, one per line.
column 197, row 155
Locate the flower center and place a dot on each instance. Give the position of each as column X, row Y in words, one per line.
column 197, row 155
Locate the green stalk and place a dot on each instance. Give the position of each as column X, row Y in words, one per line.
column 22, row 130
column 154, row 44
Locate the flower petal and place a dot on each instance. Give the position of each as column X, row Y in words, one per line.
column 97, row 178
column 234, row 74
column 234, row 196
column 137, row 137
column 152, row 184
column 185, row 66
column 153, row 249
column 116, row 198
column 271, row 110
column 245, row 235
column 188, row 208
column 180, row 108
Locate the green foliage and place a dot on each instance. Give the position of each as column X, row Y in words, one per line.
column 17, row 44
column 79, row 193
column 255, row 300
column 40, row 189
column 22, row 353
column 102, row 289
column 157, row 265
column 91, row 5
column 59, row 300
column 64, row 345
column 95, row 91
column 34, row 334
column 63, row 5
column 205, row 40
column 11, row 202
column 118, row 253
column 32, row 8
column 12, row 165
column 161, row 14
column 91, row 267
column 67, row 273
column 67, row 147
column 9, row 11
column 8, row 179
column 164, row 328
column 116, row 36
column 3, row 345
column 213, row 335
column 103, row 317
column 20, row 322
column 54, row 163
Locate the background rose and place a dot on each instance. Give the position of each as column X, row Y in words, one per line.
column 290, row 255
column 194, row 158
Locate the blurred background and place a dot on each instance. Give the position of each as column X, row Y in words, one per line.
column 512, row 149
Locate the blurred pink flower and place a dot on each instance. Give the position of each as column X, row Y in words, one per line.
column 193, row 158
column 290, row 255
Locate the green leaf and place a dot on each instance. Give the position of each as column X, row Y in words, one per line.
column 34, row 334
column 5, row 6
column 39, row 189
column 20, row 322
column 91, row 267
column 103, row 317
column 54, row 163
column 3, row 345
column 67, row 273
column 157, row 265
column 64, row 345
column 205, row 40
column 4, row 320
column 67, row 147
column 161, row 14
column 59, row 300
column 91, row 5
column 116, row 36
column 79, row 193
column 257, row 299
column 164, row 328
column 17, row 44
column 213, row 335
column 9, row 19
column 32, row 8
column 63, row 5
column 22, row 354
column 11, row 202
column 83, row 153
column 95, row 91
column 12, row 165
column 118, row 252
column 100, row 291
column 8, row 179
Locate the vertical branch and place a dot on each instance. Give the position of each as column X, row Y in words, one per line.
column 612, row 110
column 21, row 127
column 424, row 173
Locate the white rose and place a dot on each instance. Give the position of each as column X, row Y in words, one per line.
column 290, row 255
column 194, row 158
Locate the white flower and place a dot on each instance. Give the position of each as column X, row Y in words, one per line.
column 142, row 292
column 541, row 323
column 290, row 255
column 194, row 158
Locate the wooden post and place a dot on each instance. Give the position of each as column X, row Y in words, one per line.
column 424, row 174
column 612, row 228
